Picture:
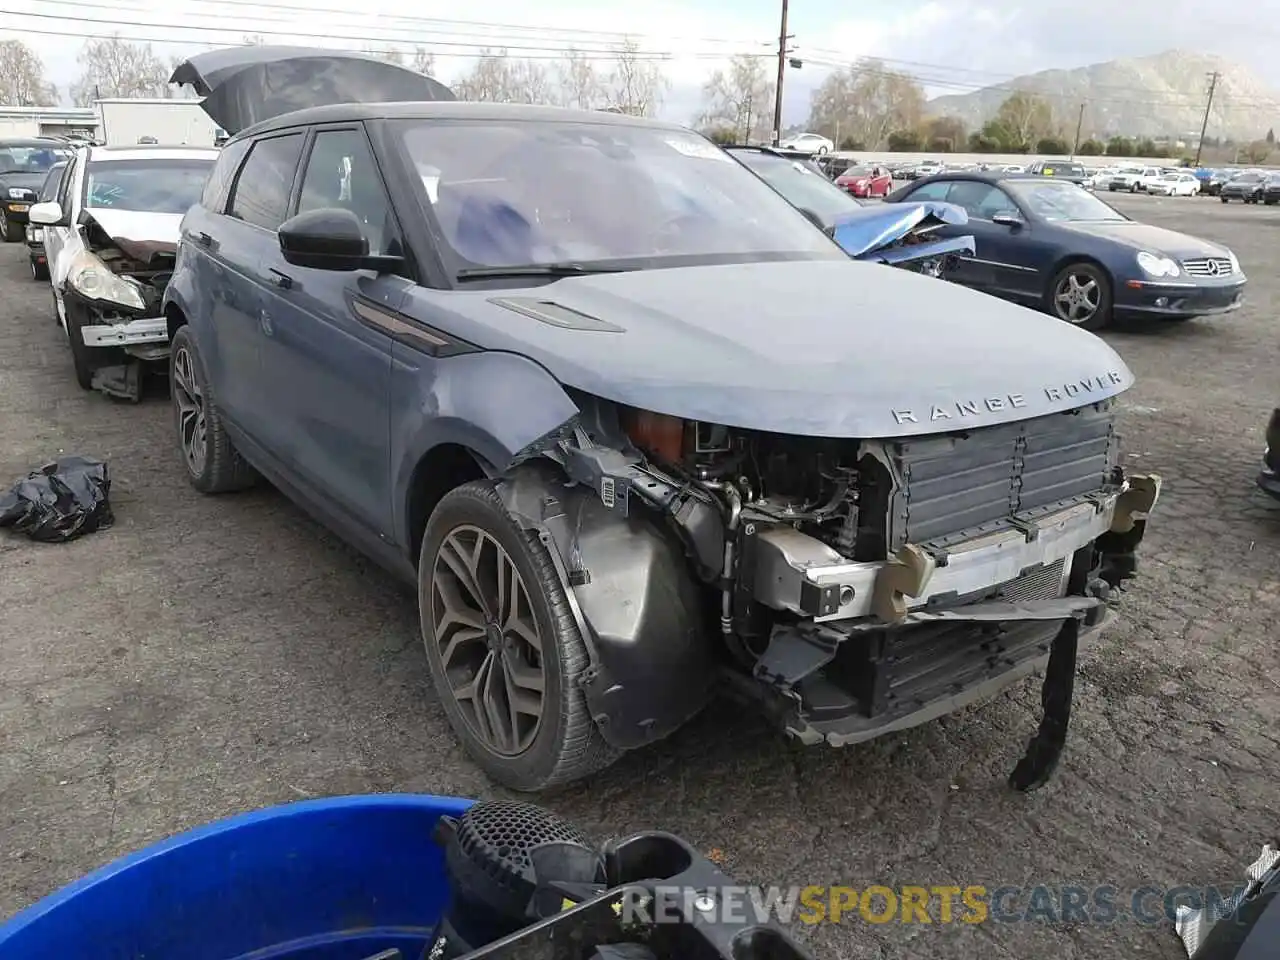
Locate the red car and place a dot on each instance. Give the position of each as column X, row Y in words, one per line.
column 866, row 181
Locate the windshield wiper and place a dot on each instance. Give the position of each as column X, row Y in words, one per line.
column 533, row 270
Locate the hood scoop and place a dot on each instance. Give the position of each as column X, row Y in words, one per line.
column 555, row 315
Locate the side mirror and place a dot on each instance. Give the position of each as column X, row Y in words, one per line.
column 47, row 214
column 329, row 239
column 1010, row 220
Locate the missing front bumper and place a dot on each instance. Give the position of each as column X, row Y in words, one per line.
column 145, row 330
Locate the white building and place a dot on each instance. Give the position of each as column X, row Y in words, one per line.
column 19, row 122
column 173, row 121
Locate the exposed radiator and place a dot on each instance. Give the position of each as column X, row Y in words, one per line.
column 964, row 483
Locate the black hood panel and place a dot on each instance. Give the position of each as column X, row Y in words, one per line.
column 242, row 86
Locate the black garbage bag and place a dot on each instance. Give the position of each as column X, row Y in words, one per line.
column 60, row 501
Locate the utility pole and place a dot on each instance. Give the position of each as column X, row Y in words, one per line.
column 1213, row 85
column 1079, row 125
column 782, row 70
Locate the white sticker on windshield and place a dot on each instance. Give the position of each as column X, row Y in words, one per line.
column 701, row 149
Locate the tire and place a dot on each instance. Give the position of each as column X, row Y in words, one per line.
column 822, row 151
column 1223, row 199
column 1133, row 188
column 1100, row 315
column 563, row 744
column 218, row 466
column 86, row 360
column 13, row 232
column 39, row 271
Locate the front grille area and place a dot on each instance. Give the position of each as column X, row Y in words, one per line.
column 1207, row 267
column 962, row 484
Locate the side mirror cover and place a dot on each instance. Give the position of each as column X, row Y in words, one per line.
column 47, row 214
column 327, row 239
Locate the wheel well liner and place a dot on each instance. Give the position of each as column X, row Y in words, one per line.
column 175, row 317
column 439, row 470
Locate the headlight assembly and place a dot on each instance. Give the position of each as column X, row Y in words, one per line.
column 1156, row 265
column 18, row 193
column 93, row 280
column 1235, row 264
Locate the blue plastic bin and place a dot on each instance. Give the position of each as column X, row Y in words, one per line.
column 333, row 879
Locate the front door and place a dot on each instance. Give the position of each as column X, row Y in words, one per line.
column 328, row 371
column 232, row 251
column 1006, row 255
column 969, row 271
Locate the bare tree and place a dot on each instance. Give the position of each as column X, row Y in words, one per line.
column 635, row 85
column 580, row 86
column 740, row 99
column 117, row 68
column 499, row 78
column 865, row 102
column 1026, row 116
column 22, row 80
column 387, row 54
column 423, row 61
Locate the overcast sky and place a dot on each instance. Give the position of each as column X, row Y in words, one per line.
column 954, row 47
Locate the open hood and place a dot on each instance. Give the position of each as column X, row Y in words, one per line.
column 864, row 231
column 242, row 86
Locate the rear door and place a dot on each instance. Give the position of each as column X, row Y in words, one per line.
column 327, row 365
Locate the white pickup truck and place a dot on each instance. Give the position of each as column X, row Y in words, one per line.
column 1133, row 178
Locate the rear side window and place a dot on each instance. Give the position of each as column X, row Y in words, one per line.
column 218, row 185
column 261, row 193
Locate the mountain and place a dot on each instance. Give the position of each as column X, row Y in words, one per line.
column 1160, row 95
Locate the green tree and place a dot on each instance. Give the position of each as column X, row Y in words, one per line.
column 1053, row 146
column 904, row 141
column 852, row 143
column 949, row 129
column 1091, row 148
column 938, row 145
column 1119, row 147
column 721, row 135
column 1146, row 147
column 981, row 143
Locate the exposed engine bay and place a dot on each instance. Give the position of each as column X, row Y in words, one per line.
column 113, row 288
column 858, row 586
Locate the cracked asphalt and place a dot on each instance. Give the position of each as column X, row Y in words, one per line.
column 212, row 655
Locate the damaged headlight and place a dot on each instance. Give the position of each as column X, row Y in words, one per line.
column 93, row 280
column 1155, row 265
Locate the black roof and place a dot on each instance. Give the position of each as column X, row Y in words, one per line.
column 453, row 110
column 983, row 176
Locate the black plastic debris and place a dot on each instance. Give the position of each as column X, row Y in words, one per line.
column 60, row 501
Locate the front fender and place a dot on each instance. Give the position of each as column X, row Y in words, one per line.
column 495, row 404
column 927, row 251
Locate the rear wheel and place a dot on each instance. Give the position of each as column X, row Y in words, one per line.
column 1080, row 294
column 504, row 649
column 213, row 464
column 39, row 271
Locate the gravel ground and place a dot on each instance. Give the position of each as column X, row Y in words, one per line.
column 208, row 656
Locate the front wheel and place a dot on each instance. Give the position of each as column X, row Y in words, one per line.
column 1223, row 199
column 822, row 151
column 1081, row 295
column 86, row 360
column 13, row 232
column 1133, row 188
column 505, row 652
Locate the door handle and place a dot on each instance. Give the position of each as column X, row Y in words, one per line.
column 281, row 280
column 204, row 239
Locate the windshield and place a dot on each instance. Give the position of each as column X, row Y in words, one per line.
column 800, row 186
column 146, row 186
column 1062, row 201
column 1247, row 177
column 517, row 193
column 30, row 158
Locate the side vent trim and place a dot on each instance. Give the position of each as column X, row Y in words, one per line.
column 556, row 315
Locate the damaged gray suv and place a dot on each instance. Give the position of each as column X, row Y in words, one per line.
column 640, row 432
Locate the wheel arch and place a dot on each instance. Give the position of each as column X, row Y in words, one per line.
column 175, row 318
column 1068, row 259
column 440, row 469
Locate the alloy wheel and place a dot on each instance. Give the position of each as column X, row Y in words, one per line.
column 488, row 639
column 192, row 423
column 1077, row 297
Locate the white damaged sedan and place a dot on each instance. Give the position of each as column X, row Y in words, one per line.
column 110, row 239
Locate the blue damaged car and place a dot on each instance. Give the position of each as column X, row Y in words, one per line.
column 903, row 235
column 634, row 429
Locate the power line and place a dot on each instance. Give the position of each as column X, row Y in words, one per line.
column 433, row 24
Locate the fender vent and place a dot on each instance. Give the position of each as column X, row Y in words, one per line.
column 552, row 313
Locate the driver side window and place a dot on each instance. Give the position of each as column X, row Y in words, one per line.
column 341, row 173
column 981, row 200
